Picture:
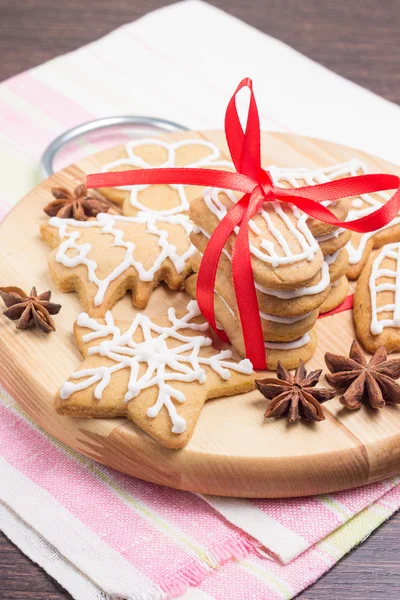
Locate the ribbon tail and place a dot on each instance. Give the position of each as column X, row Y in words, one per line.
column 245, row 290
column 209, row 265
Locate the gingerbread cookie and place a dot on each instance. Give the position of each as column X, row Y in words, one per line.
column 103, row 258
column 153, row 153
column 337, row 295
column 284, row 253
column 288, row 353
column 334, row 241
column 158, row 373
column 280, row 302
column 275, row 328
column 338, row 263
column 362, row 244
column 299, row 177
column 376, row 307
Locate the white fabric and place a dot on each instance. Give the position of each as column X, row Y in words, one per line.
column 40, row 551
column 60, row 534
column 282, row 542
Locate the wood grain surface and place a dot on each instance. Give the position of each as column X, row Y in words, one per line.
column 357, row 40
column 232, row 452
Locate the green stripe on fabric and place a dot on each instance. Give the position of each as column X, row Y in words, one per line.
column 335, row 506
column 19, row 173
column 279, row 585
column 35, row 113
column 341, row 541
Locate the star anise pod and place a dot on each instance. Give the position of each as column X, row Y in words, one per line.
column 362, row 381
column 30, row 311
column 80, row 204
column 294, row 395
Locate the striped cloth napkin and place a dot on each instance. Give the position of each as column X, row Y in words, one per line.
column 104, row 535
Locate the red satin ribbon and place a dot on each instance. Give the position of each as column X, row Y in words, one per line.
column 257, row 186
column 347, row 304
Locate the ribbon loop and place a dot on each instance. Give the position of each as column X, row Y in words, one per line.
column 258, row 188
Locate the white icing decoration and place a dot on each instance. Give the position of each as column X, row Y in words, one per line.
column 377, row 325
column 299, row 343
column 331, row 258
column 330, row 236
column 212, row 160
column 302, row 341
column 108, row 224
column 360, row 207
column 164, row 364
column 286, row 320
column 285, row 294
column 304, row 176
column 300, row 292
column 299, row 231
column 266, row 316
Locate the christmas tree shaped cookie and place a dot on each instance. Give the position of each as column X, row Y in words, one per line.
column 156, row 372
column 102, row 258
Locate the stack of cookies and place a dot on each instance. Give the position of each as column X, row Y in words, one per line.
column 332, row 240
column 293, row 263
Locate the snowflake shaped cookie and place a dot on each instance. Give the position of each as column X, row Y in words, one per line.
column 157, row 372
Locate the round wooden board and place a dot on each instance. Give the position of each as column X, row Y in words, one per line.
column 233, row 452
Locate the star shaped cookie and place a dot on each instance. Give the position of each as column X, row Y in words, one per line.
column 156, row 372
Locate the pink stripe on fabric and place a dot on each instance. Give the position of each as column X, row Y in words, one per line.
column 391, row 499
column 93, row 502
column 184, row 510
column 51, row 102
column 4, row 208
column 22, row 132
column 236, row 583
column 89, row 500
column 307, row 517
column 358, row 499
column 300, row 572
column 263, row 579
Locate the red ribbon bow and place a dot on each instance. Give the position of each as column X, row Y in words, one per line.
column 258, row 188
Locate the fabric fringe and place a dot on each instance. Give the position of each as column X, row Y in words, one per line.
column 194, row 574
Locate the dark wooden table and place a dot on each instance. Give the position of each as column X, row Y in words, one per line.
column 359, row 40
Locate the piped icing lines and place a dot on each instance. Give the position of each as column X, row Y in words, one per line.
column 361, row 206
column 157, row 355
column 284, row 230
column 74, row 251
column 299, row 343
column 310, row 290
column 390, row 256
column 211, row 160
column 303, row 176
